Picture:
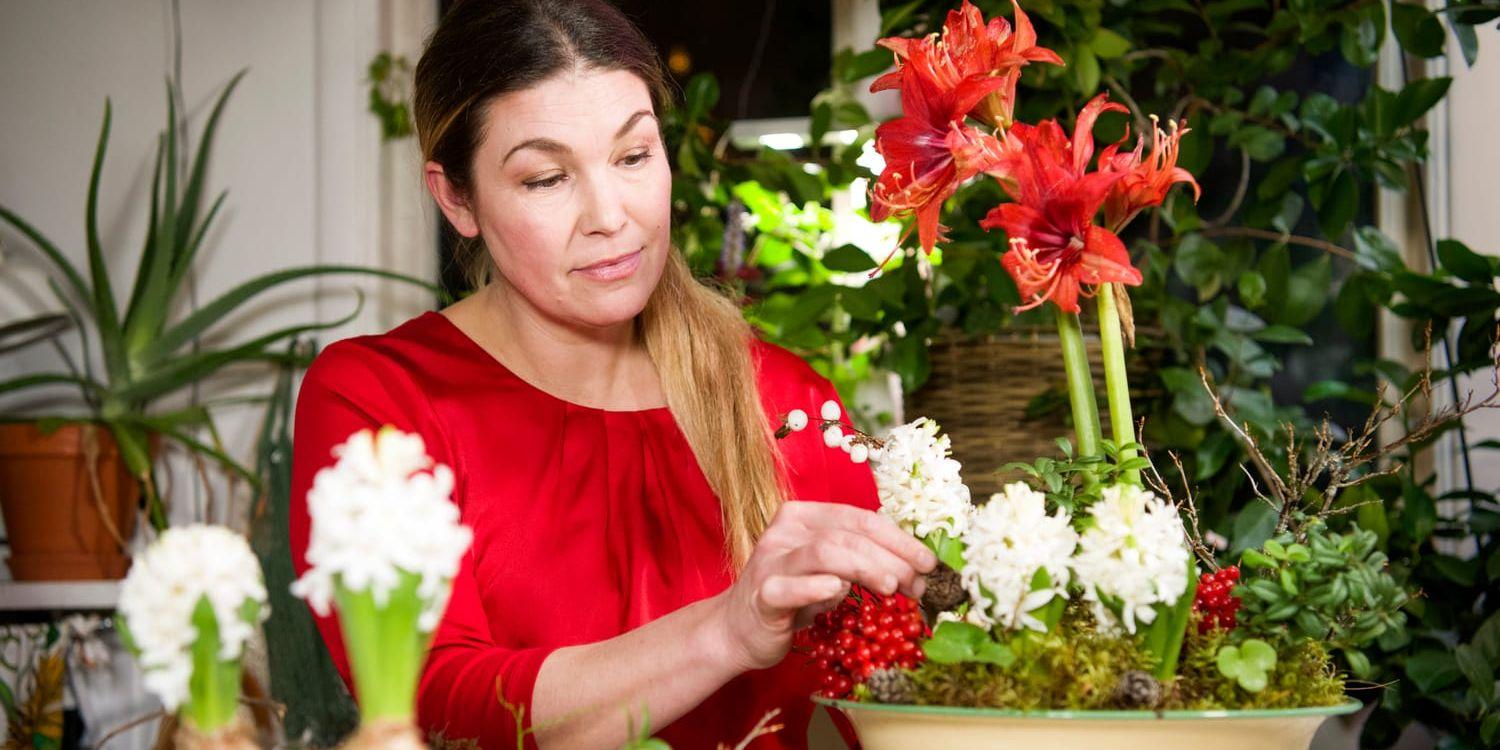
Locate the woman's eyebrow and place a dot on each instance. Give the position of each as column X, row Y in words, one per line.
column 557, row 147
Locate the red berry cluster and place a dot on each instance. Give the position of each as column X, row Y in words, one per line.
column 1215, row 604
column 864, row 633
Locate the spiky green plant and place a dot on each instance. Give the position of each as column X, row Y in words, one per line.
column 146, row 356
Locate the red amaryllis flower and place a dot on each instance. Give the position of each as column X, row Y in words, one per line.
column 928, row 152
column 1144, row 183
column 1056, row 249
column 969, row 48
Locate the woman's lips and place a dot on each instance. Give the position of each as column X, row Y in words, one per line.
column 613, row 269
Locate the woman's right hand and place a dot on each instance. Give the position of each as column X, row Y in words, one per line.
column 804, row 564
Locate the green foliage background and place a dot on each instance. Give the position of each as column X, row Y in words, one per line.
column 1290, row 138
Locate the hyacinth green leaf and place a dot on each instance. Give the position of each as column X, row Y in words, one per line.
column 214, row 688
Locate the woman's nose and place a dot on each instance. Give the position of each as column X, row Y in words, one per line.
column 604, row 207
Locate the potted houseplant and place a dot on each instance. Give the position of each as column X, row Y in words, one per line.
column 1070, row 608
column 102, row 455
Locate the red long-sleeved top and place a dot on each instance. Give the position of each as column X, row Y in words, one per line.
column 587, row 523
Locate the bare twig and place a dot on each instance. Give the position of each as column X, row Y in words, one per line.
column 1290, row 239
column 1239, row 193
column 761, row 729
column 1321, row 467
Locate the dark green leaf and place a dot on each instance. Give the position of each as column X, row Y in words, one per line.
column 1252, row 287
column 848, row 259
column 1479, row 671
column 1280, row 334
column 1432, row 670
column 1419, row 96
column 701, row 95
column 1252, row 527
column 1375, row 251
column 1417, row 30
column 1107, row 44
column 1459, row 260
column 1339, row 205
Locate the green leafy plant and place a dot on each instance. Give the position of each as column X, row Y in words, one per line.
column 1248, row 664
column 390, row 84
column 145, row 354
column 1330, row 587
column 959, row 642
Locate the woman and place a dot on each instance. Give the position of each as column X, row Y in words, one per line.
column 641, row 540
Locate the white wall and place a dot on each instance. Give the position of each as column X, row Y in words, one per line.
column 1473, row 161
column 297, row 150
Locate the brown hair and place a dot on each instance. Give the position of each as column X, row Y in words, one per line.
column 696, row 337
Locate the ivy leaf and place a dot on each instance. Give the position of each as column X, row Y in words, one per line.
column 1432, row 670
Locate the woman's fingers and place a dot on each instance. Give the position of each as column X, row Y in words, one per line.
column 853, row 557
column 821, row 518
column 793, row 592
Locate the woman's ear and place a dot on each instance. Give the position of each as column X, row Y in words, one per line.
column 452, row 201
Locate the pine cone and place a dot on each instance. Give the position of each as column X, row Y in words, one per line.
column 890, row 686
column 1137, row 689
column 945, row 590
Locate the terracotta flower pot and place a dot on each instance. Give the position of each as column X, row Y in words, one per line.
column 892, row 727
column 62, row 526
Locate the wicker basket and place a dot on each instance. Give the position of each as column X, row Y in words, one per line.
column 979, row 390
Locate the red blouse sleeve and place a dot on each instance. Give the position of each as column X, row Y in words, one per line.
column 352, row 386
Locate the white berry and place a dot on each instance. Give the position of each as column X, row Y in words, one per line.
column 833, row 436
column 859, row 454
column 830, row 412
column 797, row 420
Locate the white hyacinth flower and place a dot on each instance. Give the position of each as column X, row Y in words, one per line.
column 165, row 584
column 919, row 484
column 1009, row 539
column 382, row 510
column 1135, row 554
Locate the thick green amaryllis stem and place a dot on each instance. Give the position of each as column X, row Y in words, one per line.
column 386, row 648
column 1080, row 383
column 1116, row 383
column 214, row 687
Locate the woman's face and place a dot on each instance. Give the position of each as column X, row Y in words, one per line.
column 571, row 193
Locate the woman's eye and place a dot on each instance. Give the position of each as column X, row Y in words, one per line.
column 544, row 183
column 636, row 159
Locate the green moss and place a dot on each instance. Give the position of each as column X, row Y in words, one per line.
column 1304, row 676
column 1077, row 668
column 1072, row 667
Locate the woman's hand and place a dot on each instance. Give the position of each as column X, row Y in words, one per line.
column 803, row 565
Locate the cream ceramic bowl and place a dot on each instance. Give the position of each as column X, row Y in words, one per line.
column 892, row 727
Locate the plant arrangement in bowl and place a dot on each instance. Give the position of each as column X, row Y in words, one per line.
column 1081, row 606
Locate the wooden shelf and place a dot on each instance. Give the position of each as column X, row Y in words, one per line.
column 46, row 596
